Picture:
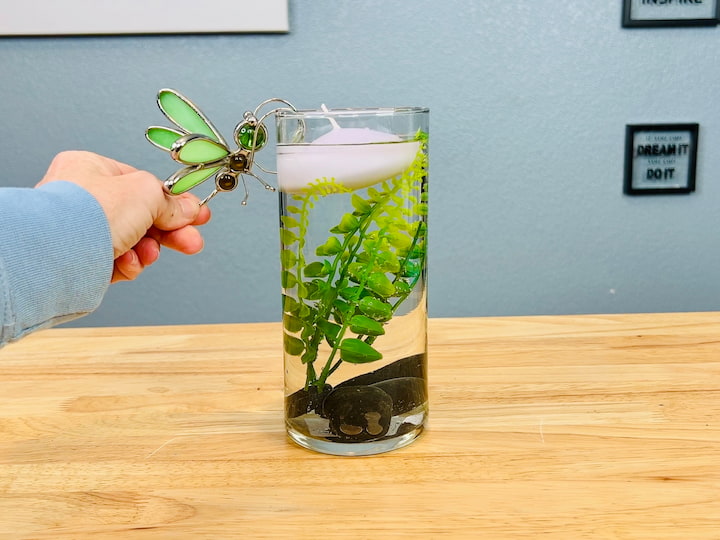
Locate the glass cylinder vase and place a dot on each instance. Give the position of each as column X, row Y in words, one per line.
column 353, row 231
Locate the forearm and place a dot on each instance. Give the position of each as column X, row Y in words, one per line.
column 56, row 257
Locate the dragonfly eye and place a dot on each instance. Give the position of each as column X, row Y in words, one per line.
column 238, row 162
column 245, row 133
column 226, row 181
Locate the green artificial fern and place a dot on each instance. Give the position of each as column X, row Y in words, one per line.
column 366, row 268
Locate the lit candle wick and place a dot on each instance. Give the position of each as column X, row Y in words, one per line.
column 332, row 121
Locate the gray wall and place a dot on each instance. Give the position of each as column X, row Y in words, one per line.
column 529, row 102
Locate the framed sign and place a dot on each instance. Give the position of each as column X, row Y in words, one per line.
column 670, row 13
column 660, row 158
column 102, row 17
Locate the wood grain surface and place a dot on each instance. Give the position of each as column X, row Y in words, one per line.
column 604, row 426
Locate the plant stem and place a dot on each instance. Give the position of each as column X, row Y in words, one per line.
column 362, row 228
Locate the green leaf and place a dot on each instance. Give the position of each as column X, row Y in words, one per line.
column 181, row 112
column 419, row 228
column 288, row 279
column 304, row 290
column 315, row 269
column 412, row 269
column 288, row 237
column 307, row 332
column 289, row 304
column 292, row 209
column 342, row 309
column 387, row 261
column 360, row 204
column 348, row 223
column 316, row 289
column 375, row 309
column 364, row 256
column 356, row 271
column 288, row 258
column 375, row 195
column 350, row 293
column 400, row 240
column 356, row 351
column 305, row 312
column 373, row 245
column 331, row 247
column 292, row 345
column 402, row 288
column 390, row 220
column 418, row 252
column 309, row 356
column 363, row 325
column 330, row 330
column 290, row 222
column 352, row 242
column 292, row 323
column 379, row 283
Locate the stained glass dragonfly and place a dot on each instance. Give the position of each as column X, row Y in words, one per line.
column 198, row 145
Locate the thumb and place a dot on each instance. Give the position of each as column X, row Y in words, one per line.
column 177, row 211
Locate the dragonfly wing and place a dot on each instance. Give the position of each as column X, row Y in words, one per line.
column 196, row 149
column 189, row 177
column 162, row 137
column 185, row 115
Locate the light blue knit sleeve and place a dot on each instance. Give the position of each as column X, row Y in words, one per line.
column 56, row 257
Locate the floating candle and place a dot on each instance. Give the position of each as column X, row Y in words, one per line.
column 353, row 157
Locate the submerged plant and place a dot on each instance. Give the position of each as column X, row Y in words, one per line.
column 347, row 289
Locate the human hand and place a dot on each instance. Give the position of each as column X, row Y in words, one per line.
column 141, row 215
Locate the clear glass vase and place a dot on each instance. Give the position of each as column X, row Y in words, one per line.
column 353, row 231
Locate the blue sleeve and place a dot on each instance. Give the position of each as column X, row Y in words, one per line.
column 56, row 257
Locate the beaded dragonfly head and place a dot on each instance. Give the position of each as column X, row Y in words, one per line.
column 198, row 145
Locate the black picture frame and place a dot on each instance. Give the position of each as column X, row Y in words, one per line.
column 660, row 159
column 633, row 20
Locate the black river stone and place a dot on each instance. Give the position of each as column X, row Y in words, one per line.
column 305, row 401
column 358, row 413
column 406, row 393
column 411, row 366
column 361, row 408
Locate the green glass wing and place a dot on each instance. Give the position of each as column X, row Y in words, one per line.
column 195, row 149
column 181, row 112
column 162, row 137
column 189, row 177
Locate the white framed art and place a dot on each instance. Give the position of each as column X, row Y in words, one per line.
column 102, row 17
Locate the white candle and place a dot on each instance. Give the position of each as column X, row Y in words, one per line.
column 353, row 157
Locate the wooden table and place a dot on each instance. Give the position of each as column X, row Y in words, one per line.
column 541, row 427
